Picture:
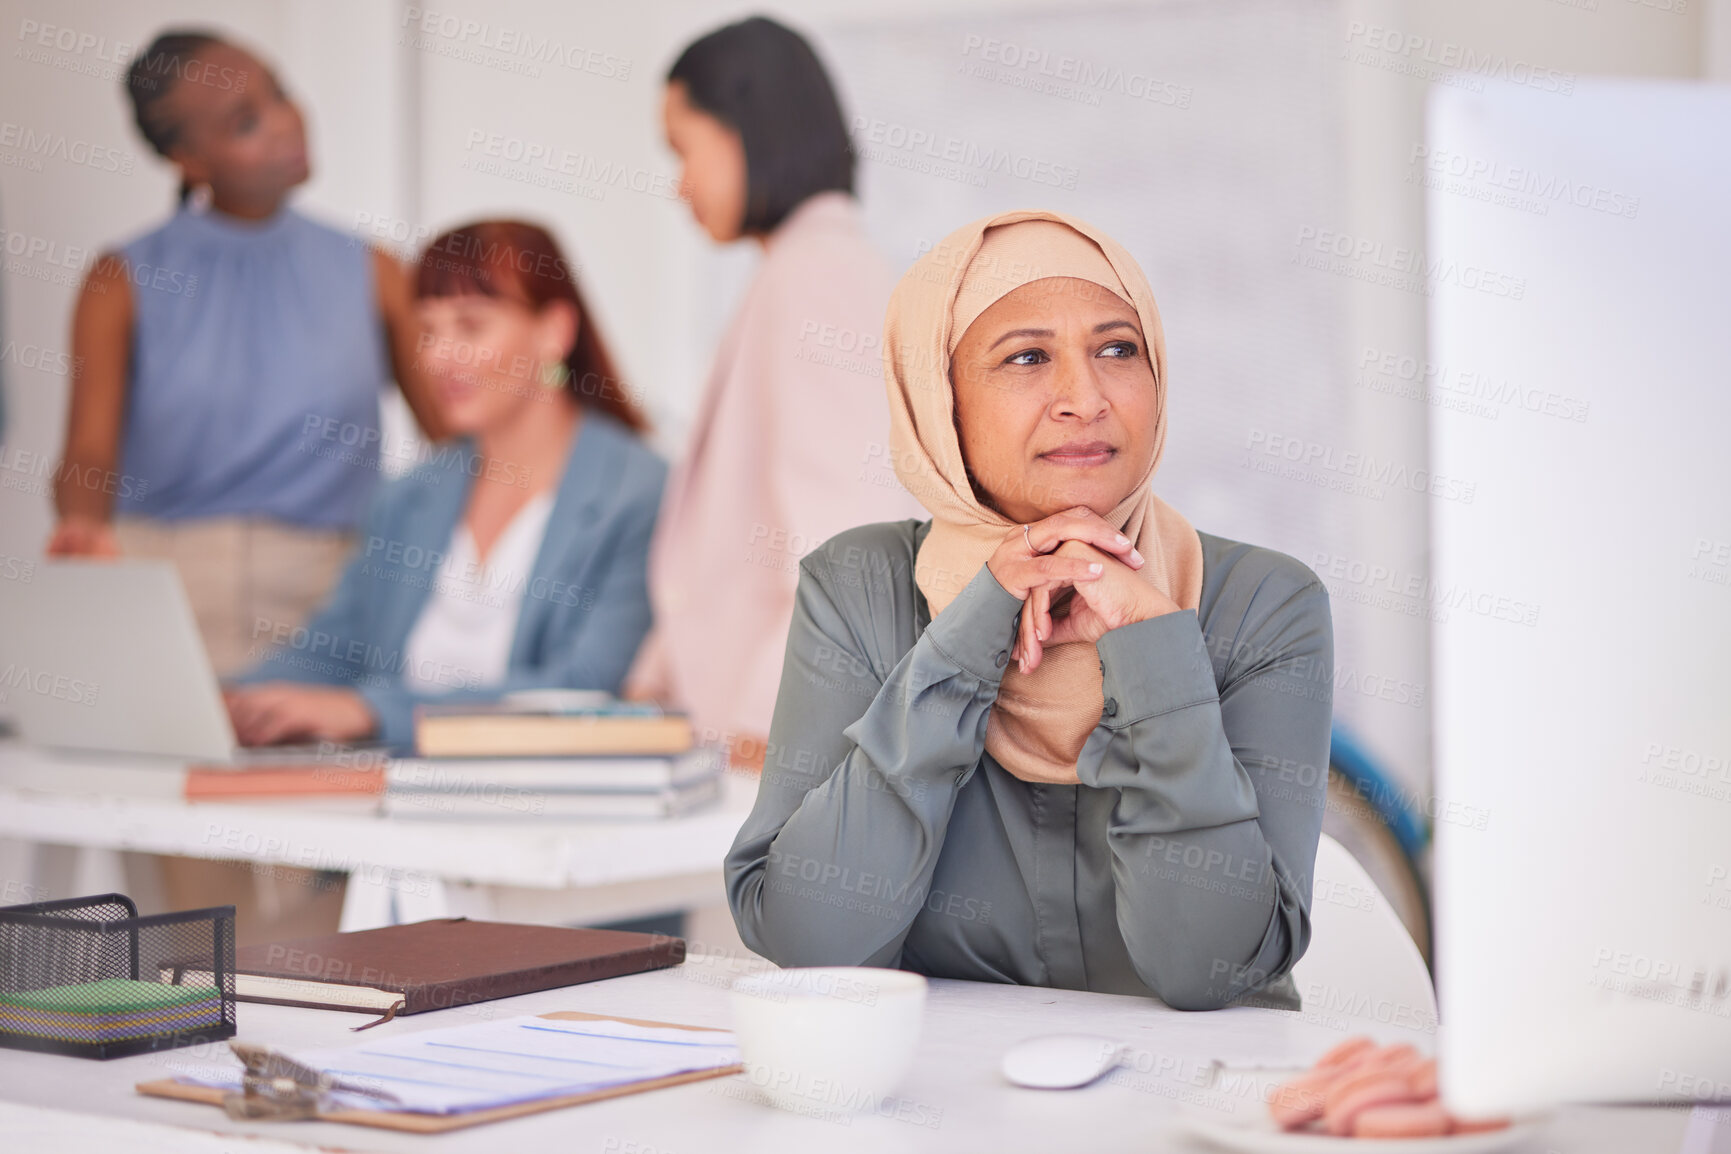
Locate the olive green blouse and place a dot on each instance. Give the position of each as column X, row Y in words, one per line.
column 884, row 834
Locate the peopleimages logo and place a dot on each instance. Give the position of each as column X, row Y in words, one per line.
column 1410, row 52
column 37, row 146
column 43, row 683
column 1460, row 388
column 1359, row 466
column 1069, row 76
column 872, row 137
column 83, row 53
column 1543, row 186
column 75, row 41
column 1386, row 587
column 575, row 172
column 1365, row 259
column 528, row 47
column 40, row 248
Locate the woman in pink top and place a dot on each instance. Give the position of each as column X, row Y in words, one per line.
column 790, row 442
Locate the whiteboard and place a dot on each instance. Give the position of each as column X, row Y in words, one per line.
column 1203, row 137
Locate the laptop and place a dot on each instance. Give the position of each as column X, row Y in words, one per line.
column 105, row 656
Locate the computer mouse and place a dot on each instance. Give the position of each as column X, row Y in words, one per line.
column 1061, row 1061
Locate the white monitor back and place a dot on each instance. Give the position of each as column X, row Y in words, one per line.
column 1583, row 675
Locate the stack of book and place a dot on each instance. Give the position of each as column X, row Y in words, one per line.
column 504, row 761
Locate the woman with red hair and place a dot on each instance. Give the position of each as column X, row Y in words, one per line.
column 513, row 558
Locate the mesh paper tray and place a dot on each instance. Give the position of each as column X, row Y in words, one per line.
column 90, row 978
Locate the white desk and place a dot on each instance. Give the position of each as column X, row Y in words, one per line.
column 399, row 870
column 954, row 1090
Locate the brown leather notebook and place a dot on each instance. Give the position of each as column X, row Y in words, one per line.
column 432, row 965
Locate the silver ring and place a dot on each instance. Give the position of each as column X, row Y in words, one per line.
column 1029, row 540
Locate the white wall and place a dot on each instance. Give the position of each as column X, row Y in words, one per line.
column 1383, row 115
column 394, row 113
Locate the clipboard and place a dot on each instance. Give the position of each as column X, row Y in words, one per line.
column 441, row 1123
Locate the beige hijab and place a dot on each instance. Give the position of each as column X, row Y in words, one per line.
column 1041, row 721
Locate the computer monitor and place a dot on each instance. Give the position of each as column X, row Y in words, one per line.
column 1579, row 387
column 106, row 656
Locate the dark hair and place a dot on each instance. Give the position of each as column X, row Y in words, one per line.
column 764, row 81
column 151, row 77
column 515, row 260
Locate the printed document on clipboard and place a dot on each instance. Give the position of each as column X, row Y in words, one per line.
column 485, row 1067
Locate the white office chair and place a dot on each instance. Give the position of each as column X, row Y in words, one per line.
column 1362, row 972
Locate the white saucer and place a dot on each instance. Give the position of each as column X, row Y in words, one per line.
column 1264, row 1137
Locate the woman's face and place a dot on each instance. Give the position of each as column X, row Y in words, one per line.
column 712, row 177
column 492, row 358
column 1055, row 399
column 239, row 132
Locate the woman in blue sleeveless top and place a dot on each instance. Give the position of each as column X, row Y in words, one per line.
column 225, row 404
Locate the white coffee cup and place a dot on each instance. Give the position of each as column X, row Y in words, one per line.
column 832, row 1039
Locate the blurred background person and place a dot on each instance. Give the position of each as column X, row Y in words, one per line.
column 228, row 364
column 793, row 415
column 515, row 557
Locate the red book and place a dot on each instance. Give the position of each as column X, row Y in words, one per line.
column 215, row 783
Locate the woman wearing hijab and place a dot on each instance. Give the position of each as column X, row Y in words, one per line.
column 787, row 448
column 1054, row 735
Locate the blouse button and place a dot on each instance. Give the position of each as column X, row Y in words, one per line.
column 1111, row 707
column 1002, row 659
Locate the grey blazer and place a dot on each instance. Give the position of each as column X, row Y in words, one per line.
column 884, row 834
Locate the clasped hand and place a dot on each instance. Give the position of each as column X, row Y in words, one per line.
column 1079, row 584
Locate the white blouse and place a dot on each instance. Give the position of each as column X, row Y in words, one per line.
column 462, row 638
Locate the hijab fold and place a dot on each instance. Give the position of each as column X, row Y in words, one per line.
column 1041, row 720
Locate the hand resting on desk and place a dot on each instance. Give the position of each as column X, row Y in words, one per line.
column 77, row 536
column 279, row 711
